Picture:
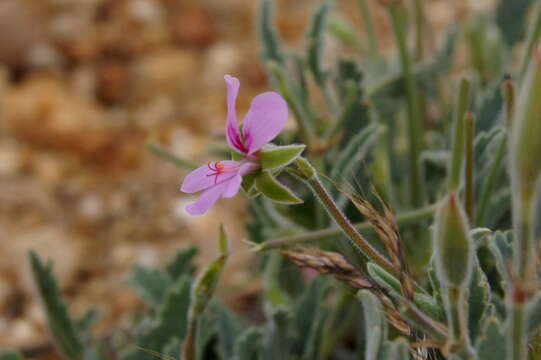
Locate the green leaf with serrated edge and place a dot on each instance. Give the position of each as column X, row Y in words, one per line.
column 172, row 317
column 478, row 301
column 11, row 356
column 168, row 325
column 278, row 334
column 492, row 342
column 150, row 284
column 269, row 39
column 229, row 327
column 374, row 322
column 60, row 324
column 502, row 250
column 273, row 190
column 248, row 344
column 315, row 41
column 182, row 263
column 309, row 317
column 273, row 157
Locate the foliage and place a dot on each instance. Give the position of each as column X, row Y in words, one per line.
column 426, row 258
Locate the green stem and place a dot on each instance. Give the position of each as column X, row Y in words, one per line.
column 309, row 175
column 469, row 138
column 368, row 25
column 457, row 158
column 405, row 218
column 160, row 151
column 188, row 348
column 457, row 319
column 524, row 260
column 517, row 342
column 419, row 29
column 415, row 125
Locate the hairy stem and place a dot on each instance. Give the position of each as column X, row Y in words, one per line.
column 402, row 219
column 309, row 175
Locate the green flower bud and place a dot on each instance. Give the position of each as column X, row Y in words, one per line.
column 454, row 246
column 525, row 145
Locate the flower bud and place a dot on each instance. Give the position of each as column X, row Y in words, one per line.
column 454, row 246
column 525, row 144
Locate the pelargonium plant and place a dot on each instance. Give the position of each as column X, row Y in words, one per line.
column 440, row 260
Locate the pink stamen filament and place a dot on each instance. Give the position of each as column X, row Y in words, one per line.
column 217, row 170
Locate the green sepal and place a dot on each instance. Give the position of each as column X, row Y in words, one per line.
column 248, row 181
column 272, row 189
column 273, row 157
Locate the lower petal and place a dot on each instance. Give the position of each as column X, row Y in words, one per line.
column 201, row 178
column 233, row 186
column 207, row 199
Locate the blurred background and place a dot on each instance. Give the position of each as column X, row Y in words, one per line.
column 84, row 84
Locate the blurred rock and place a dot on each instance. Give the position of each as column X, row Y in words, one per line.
column 43, row 111
column 195, row 27
column 21, row 29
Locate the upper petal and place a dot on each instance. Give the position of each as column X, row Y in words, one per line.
column 207, row 199
column 232, row 128
column 202, row 178
column 265, row 119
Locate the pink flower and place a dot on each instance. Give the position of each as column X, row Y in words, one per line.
column 263, row 122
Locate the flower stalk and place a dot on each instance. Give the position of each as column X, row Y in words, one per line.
column 307, row 173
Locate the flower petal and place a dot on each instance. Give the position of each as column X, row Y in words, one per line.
column 265, row 119
column 202, row 178
column 207, row 199
column 233, row 186
column 232, row 132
